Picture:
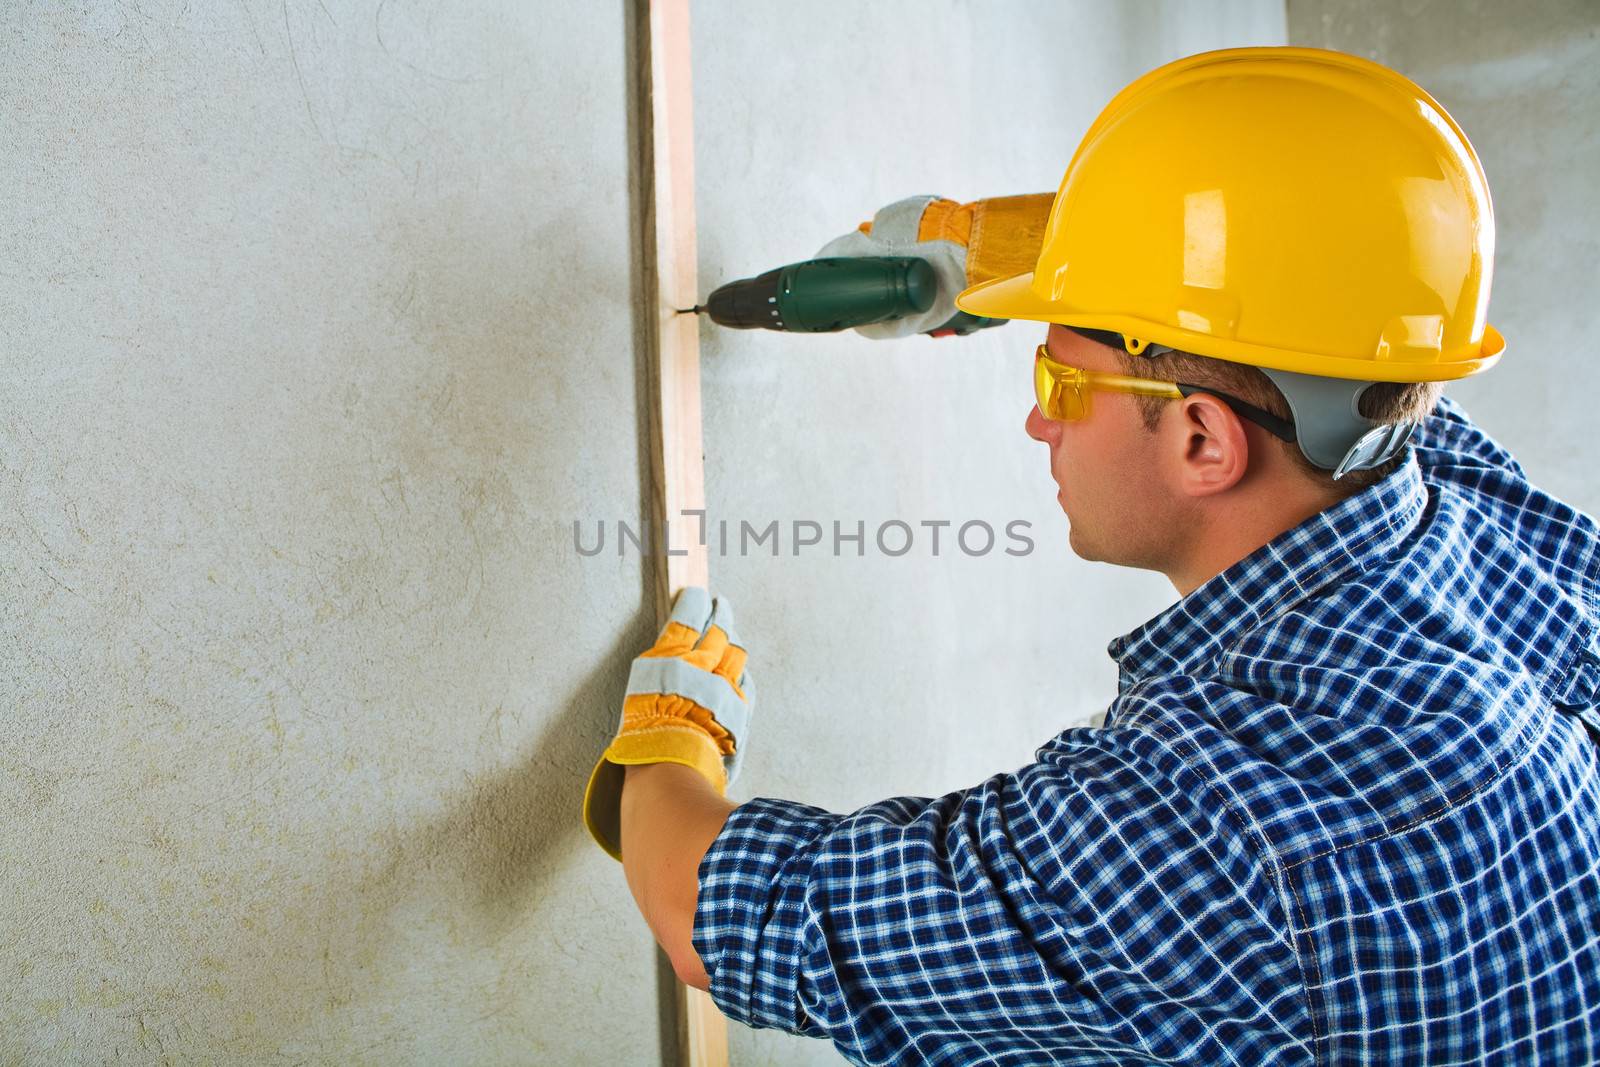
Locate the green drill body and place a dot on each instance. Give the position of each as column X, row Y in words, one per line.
column 839, row 293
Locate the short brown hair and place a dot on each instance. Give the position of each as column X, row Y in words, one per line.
column 1385, row 402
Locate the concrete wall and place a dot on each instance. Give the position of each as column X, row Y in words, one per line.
column 1524, row 81
column 317, row 336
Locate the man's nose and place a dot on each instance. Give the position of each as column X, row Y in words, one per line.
column 1040, row 428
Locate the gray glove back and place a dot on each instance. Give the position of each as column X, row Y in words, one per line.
column 894, row 233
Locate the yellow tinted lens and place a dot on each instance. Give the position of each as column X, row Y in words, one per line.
column 1044, row 387
column 1058, row 390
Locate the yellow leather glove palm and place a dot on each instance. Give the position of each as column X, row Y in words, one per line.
column 688, row 702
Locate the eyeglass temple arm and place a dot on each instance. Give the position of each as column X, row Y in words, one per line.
column 1278, row 427
column 1275, row 425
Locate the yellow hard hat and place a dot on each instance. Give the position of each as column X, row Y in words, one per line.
column 1289, row 208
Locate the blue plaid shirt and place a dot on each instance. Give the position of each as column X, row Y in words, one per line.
column 1345, row 808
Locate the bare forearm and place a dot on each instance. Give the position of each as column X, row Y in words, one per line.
column 670, row 816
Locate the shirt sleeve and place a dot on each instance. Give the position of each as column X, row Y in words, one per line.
column 1086, row 906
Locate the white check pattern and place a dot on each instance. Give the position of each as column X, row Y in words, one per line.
column 1344, row 809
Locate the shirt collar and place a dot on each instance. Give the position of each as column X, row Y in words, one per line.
column 1331, row 545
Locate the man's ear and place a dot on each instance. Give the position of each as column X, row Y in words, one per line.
column 1216, row 449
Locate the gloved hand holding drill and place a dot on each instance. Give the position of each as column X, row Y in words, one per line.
column 963, row 243
column 897, row 275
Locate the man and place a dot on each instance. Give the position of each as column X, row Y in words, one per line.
column 1346, row 804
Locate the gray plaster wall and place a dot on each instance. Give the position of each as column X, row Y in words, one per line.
column 1523, row 79
column 316, row 335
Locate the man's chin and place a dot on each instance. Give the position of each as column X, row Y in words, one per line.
column 1080, row 544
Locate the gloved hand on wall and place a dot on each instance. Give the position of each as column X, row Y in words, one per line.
column 964, row 243
column 688, row 702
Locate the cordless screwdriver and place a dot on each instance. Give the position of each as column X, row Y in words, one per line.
column 838, row 293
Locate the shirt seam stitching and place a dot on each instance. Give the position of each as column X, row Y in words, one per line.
column 1449, row 805
column 1305, row 982
column 1561, row 675
column 1264, row 849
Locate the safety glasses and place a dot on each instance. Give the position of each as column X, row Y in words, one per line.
column 1063, row 393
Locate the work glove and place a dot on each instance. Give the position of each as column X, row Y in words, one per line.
column 688, row 702
column 964, row 243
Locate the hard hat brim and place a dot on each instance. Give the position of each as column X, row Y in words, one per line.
column 1015, row 298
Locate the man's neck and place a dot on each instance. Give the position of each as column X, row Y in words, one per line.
column 1233, row 529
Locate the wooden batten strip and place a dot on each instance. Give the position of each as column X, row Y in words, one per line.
column 673, row 358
